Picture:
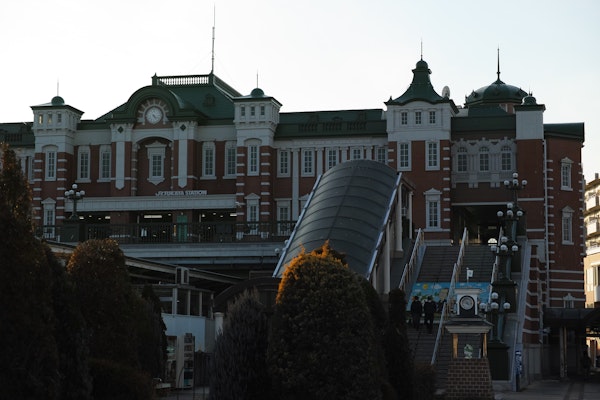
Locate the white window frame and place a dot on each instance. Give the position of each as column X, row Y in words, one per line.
column 381, row 154
column 331, row 157
column 356, row 153
column 566, row 168
column 49, row 221
column 404, row 118
column 484, row 159
column 230, row 159
column 418, row 118
column 567, row 225
column 83, row 164
column 462, row 160
column 432, row 117
column 252, row 214
column 283, row 163
column 253, row 159
column 104, row 163
column 404, row 156
column 433, row 212
column 432, row 155
column 156, row 153
column 208, row 160
column 51, row 160
column 284, row 217
column 506, row 158
column 308, row 162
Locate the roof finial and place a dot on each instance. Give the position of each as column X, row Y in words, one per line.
column 421, row 49
column 57, row 86
column 498, row 72
column 256, row 78
column 212, row 66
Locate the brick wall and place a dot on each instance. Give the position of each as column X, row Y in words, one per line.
column 469, row 379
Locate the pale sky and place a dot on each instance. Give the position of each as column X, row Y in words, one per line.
column 310, row 54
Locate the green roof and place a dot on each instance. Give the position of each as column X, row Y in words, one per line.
column 331, row 123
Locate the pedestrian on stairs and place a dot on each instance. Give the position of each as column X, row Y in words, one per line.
column 416, row 309
column 429, row 309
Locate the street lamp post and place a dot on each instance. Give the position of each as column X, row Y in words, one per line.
column 74, row 195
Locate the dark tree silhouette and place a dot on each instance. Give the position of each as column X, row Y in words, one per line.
column 399, row 357
column 239, row 368
column 322, row 341
column 29, row 356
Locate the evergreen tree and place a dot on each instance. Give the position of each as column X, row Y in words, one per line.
column 322, row 341
column 239, row 368
column 400, row 364
column 70, row 334
column 29, row 356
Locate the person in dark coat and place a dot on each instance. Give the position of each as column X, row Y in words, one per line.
column 429, row 309
column 416, row 309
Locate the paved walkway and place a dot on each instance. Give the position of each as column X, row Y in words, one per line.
column 570, row 389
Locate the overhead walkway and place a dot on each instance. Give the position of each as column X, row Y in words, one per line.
column 356, row 206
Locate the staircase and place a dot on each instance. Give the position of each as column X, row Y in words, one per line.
column 437, row 266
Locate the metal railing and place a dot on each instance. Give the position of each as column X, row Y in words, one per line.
column 449, row 305
column 411, row 270
column 172, row 232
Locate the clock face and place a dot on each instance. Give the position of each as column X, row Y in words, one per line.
column 466, row 302
column 154, row 115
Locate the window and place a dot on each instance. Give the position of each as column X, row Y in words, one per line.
column 506, row 158
column 567, row 225
column 432, row 156
column 83, row 163
column 308, row 162
column 49, row 219
column 156, row 157
column 418, row 117
column 283, row 217
column 381, row 155
column 262, row 110
column 208, row 159
column 252, row 214
column 284, row 163
column 49, row 119
column 253, row 159
column 569, row 301
column 404, row 118
column 331, row 158
column 243, row 111
column 58, row 118
column 432, row 210
column 432, row 117
column 565, row 174
column 105, row 158
column 484, row 159
column 356, row 154
column 40, row 119
column 51, row 165
column 252, row 111
column 230, row 159
column 403, row 156
column 461, row 160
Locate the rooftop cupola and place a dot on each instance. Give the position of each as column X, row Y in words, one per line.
column 420, row 87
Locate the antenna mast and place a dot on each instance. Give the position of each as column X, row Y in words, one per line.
column 212, row 67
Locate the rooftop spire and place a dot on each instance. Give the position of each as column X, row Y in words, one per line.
column 498, row 72
column 212, row 67
column 421, row 49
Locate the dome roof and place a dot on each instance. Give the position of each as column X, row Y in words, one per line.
column 496, row 93
column 257, row 92
column 57, row 101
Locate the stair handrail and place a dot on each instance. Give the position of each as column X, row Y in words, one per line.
column 411, row 270
column 494, row 269
column 445, row 314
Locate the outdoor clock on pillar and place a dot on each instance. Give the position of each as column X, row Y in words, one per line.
column 154, row 115
column 467, row 305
